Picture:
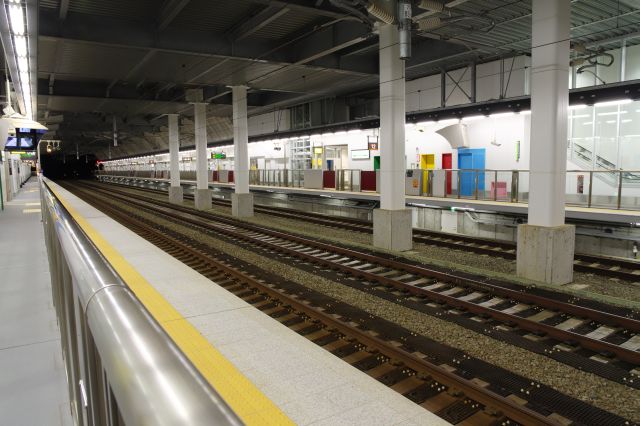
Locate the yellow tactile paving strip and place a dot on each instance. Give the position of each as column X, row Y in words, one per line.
column 247, row 401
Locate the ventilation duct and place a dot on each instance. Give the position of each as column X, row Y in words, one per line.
column 429, row 24
column 431, row 5
column 456, row 135
column 380, row 13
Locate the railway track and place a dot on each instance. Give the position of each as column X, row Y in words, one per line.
column 627, row 270
column 472, row 392
column 594, row 337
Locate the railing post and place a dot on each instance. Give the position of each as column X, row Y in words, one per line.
column 351, row 180
column 619, row 188
column 515, row 185
column 590, row 188
column 476, row 183
column 458, row 182
column 495, row 185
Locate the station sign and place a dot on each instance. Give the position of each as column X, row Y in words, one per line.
column 360, row 154
column 218, row 156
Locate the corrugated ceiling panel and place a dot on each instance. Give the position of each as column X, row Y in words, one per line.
column 96, row 62
column 137, row 10
column 291, row 22
column 213, row 16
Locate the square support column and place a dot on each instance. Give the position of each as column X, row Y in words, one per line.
column 392, row 228
column 549, row 108
column 176, row 194
column 203, row 193
column 242, row 199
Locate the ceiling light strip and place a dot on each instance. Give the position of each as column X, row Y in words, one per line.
column 16, row 13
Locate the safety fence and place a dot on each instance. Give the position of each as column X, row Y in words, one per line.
column 122, row 368
column 616, row 189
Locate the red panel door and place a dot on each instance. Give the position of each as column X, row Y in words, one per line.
column 447, row 163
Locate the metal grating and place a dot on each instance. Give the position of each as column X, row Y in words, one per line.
column 50, row 4
column 285, row 26
column 138, row 10
column 213, row 16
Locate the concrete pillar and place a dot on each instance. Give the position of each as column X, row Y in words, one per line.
column 241, row 199
column 203, row 193
column 546, row 245
column 392, row 221
column 175, row 190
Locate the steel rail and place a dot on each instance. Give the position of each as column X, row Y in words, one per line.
column 486, row 397
column 501, row 248
column 526, row 324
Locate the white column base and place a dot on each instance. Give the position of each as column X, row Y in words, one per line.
column 176, row 194
column 546, row 253
column 202, row 198
column 242, row 205
column 392, row 229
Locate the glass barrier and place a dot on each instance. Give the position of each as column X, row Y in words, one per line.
column 613, row 189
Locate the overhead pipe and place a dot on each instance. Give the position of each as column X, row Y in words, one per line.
column 404, row 28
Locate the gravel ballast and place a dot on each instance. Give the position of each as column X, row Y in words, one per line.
column 596, row 287
column 607, row 395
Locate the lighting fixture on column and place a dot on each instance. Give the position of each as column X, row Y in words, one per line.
column 16, row 14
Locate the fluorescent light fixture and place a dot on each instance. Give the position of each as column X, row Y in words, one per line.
column 473, row 118
column 610, row 121
column 611, row 113
column 410, row 125
column 354, row 132
column 582, row 116
column 525, row 112
column 612, row 103
column 23, row 64
column 16, row 19
column 501, row 114
column 448, row 121
column 577, row 106
column 588, row 124
column 20, row 43
column 426, row 123
column 628, row 120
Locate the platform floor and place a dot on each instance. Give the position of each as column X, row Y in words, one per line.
column 33, row 386
column 571, row 212
column 308, row 384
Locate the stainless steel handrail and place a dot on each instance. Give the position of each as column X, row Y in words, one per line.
column 151, row 379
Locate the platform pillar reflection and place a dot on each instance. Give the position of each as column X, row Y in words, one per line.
column 392, row 228
column 176, row 195
column 242, row 199
column 546, row 245
column 203, row 193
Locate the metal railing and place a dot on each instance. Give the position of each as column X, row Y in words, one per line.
column 618, row 189
column 122, row 368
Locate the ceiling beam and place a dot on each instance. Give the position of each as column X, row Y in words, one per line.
column 64, row 9
column 114, row 32
column 301, row 6
column 257, row 22
column 168, row 12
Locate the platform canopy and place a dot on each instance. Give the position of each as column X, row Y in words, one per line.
column 135, row 60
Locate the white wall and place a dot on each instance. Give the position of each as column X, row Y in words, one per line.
column 424, row 93
column 269, row 122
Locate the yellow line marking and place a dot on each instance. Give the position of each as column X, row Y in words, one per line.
column 31, row 204
column 30, row 211
column 247, row 401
